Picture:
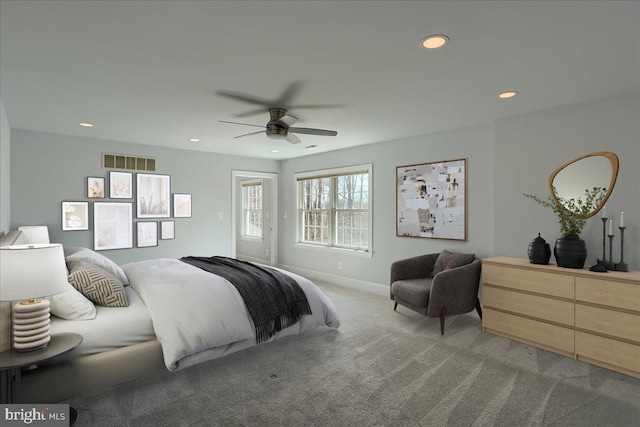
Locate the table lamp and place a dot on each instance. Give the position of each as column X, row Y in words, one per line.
column 27, row 274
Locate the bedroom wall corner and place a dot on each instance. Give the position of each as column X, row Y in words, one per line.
column 5, row 171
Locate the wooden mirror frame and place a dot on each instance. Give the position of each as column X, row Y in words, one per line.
column 612, row 157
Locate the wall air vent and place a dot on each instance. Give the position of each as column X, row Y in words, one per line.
column 132, row 163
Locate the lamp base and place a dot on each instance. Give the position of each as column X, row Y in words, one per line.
column 30, row 321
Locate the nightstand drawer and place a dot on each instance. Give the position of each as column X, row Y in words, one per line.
column 541, row 282
column 613, row 294
column 609, row 322
column 552, row 310
column 543, row 333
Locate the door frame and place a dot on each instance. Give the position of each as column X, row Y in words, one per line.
column 273, row 212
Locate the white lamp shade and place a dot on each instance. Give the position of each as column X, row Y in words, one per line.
column 32, row 271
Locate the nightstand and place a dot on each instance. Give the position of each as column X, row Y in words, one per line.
column 12, row 362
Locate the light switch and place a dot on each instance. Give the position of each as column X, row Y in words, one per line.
column 220, row 215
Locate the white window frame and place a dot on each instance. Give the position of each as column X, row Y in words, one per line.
column 331, row 245
column 245, row 210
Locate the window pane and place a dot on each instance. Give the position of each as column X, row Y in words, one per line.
column 252, row 210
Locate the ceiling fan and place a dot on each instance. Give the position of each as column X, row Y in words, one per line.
column 279, row 127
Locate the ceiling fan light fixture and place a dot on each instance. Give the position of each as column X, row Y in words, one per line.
column 434, row 41
column 508, row 94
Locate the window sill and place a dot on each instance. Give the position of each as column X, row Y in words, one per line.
column 343, row 251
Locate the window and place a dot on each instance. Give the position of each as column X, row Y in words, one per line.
column 334, row 208
column 252, row 209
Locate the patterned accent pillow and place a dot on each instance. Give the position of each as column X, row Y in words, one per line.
column 450, row 260
column 97, row 284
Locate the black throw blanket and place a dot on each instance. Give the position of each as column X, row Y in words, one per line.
column 274, row 300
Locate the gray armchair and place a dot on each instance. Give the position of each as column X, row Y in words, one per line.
column 437, row 285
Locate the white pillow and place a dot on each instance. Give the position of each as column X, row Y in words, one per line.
column 72, row 305
column 87, row 255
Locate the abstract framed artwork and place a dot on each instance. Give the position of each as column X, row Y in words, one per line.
column 182, row 205
column 112, row 225
column 432, row 200
column 153, row 196
column 95, row 187
column 167, row 230
column 146, row 234
column 75, row 216
column 120, row 185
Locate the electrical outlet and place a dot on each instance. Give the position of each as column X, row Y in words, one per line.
column 339, row 265
column 266, row 252
column 284, row 215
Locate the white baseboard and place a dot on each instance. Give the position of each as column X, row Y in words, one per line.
column 374, row 288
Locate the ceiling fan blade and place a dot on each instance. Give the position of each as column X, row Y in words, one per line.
column 310, row 131
column 291, row 107
column 253, row 112
column 243, row 124
column 249, row 134
column 286, row 120
column 292, row 138
column 245, row 98
column 289, row 93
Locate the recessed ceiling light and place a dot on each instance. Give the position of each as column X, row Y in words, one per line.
column 434, row 41
column 194, row 140
column 508, row 94
column 275, row 150
column 86, row 125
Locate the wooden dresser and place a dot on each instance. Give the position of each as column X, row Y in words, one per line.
column 594, row 317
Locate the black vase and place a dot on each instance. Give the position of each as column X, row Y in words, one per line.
column 539, row 251
column 570, row 252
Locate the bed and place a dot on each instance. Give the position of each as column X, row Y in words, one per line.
column 176, row 315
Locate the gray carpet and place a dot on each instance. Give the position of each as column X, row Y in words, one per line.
column 381, row 368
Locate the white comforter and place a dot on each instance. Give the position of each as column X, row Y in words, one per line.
column 199, row 316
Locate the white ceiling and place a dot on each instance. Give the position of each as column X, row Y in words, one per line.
column 150, row 72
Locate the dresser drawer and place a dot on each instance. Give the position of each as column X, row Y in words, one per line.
column 530, row 330
column 609, row 322
column 608, row 351
column 543, row 308
column 542, row 282
column 613, row 294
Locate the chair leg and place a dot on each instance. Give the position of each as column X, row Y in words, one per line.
column 478, row 308
column 442, row 315
column 395, row 306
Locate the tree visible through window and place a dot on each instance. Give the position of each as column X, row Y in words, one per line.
column 252, row 209
column 334, row 209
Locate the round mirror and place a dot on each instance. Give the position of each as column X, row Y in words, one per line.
column 571, row 180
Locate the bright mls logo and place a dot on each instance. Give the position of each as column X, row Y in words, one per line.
column 34, row 415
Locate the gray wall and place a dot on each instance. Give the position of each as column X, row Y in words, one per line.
column 474, row 143
column 508, row 157
column 529, row 147
column 48, row 169
column 5, row 181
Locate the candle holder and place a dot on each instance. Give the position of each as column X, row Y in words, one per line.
column 603, row 265
column 609, row 264
column 622, row 266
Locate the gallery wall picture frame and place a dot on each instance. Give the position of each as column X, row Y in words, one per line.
column 75, row 216
column 120, row 185
column 95, row 187
column 167, row 230
column 181, row 205
column 431, row 200
column 146, row 234
column 153, row 196
column 112, row 225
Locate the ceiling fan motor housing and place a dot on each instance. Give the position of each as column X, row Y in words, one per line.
column 275, row 131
